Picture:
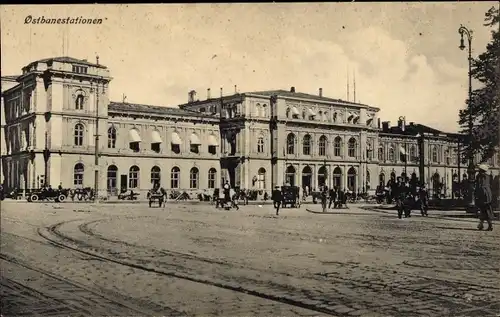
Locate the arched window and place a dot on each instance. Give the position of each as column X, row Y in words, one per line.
column 78, row 133
column 337, row 177
column 111, row 138
column 112, row 179
column 304, row 114
column 257, row 110
column 288, row 112
column 334, row 117
column 155, row 175
column 413, row 154
column 133, row 177
column 322, row 145
column 290, row 143
column 391, row 154
column 326, row 116
column 290, row 175
column 78, row 172
column 337, row 146
column 212, row 177
column 261, row 178
column 320, row 115
column 351, row 179
column 434, row 154
column 381, row 154
column 352, row 147
column 194, row 176
column 447, row 157
column 381, row 179
column 306, row 145
column 79, row 101
column 175, row 177
column 260, row 144
column 264, row 110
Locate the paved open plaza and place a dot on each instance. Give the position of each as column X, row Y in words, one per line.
column 193, row 260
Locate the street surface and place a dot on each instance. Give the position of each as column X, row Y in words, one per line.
column 192, row 260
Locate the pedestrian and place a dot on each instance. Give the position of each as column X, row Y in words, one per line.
column 277, row 197
column 423, row 197
column 483, row 197
column 324, row 196
column 234, row 199
column 331, row 196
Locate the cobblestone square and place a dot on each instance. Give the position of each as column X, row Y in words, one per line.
column 194, row 260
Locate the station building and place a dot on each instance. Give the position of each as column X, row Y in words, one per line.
column 254, row 140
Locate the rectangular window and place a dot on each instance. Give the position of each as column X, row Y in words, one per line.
column 212, row 149
column 195, row 148
column 155, row 147
column 175, row 148
column 134, row 146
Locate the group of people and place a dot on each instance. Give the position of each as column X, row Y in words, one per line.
column 335, row 197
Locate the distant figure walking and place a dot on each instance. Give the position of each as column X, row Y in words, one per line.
column 277, row 198
column 483, row 197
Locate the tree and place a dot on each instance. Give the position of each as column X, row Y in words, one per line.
column 485, row 100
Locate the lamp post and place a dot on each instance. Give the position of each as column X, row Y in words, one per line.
column 402, row 119
column 421, row 157
column 470, row 169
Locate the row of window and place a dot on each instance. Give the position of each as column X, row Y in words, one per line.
column 413, row 155
column 155, row 177
column 291, row 141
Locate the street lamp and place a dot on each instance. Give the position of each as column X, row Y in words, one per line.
column 470, row 169
column 402, row 119
column 421, row 157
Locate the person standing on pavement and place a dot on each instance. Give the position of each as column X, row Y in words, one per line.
column 332, row 195
column 483, row 197
column 324, row 196
column 277, row 198
column 423, row 197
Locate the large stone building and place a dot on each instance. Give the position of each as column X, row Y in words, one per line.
column 254, row 140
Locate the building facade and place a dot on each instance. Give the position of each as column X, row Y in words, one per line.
column 254, row 140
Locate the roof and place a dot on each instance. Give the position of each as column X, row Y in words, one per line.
column 414, row 129
column 10, row 77
column 162, row 110
column 67, row 59
column 287, row 93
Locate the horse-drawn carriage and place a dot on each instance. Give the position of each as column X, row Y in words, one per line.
column 157, row 195
column 290, row 196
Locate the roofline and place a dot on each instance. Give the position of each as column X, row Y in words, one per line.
column 342, row 102
column 188, row 112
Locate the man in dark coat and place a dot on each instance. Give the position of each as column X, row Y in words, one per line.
column 277, row 198
column 483, row 197
column 423, row 200
column 332, row 195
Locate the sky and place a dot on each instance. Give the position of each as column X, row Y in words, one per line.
column 404, row 56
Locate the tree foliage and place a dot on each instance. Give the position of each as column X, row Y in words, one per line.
column 484, row 103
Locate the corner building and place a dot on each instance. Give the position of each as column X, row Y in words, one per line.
column 254, row 140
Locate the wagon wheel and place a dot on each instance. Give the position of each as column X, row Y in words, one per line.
column 34, row 197
column 61, row 198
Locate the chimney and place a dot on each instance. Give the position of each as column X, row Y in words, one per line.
column 235, row 89
column 378, row 123
column 97, row 59
column 208, row 93
column 292, row 89
column 412, row 123
column 321, row 92
column 385, row 126
column 221, row 91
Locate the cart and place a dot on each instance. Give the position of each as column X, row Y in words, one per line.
column 290, row 196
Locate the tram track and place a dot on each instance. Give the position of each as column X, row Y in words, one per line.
column 53, row 230
column 182, row 272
